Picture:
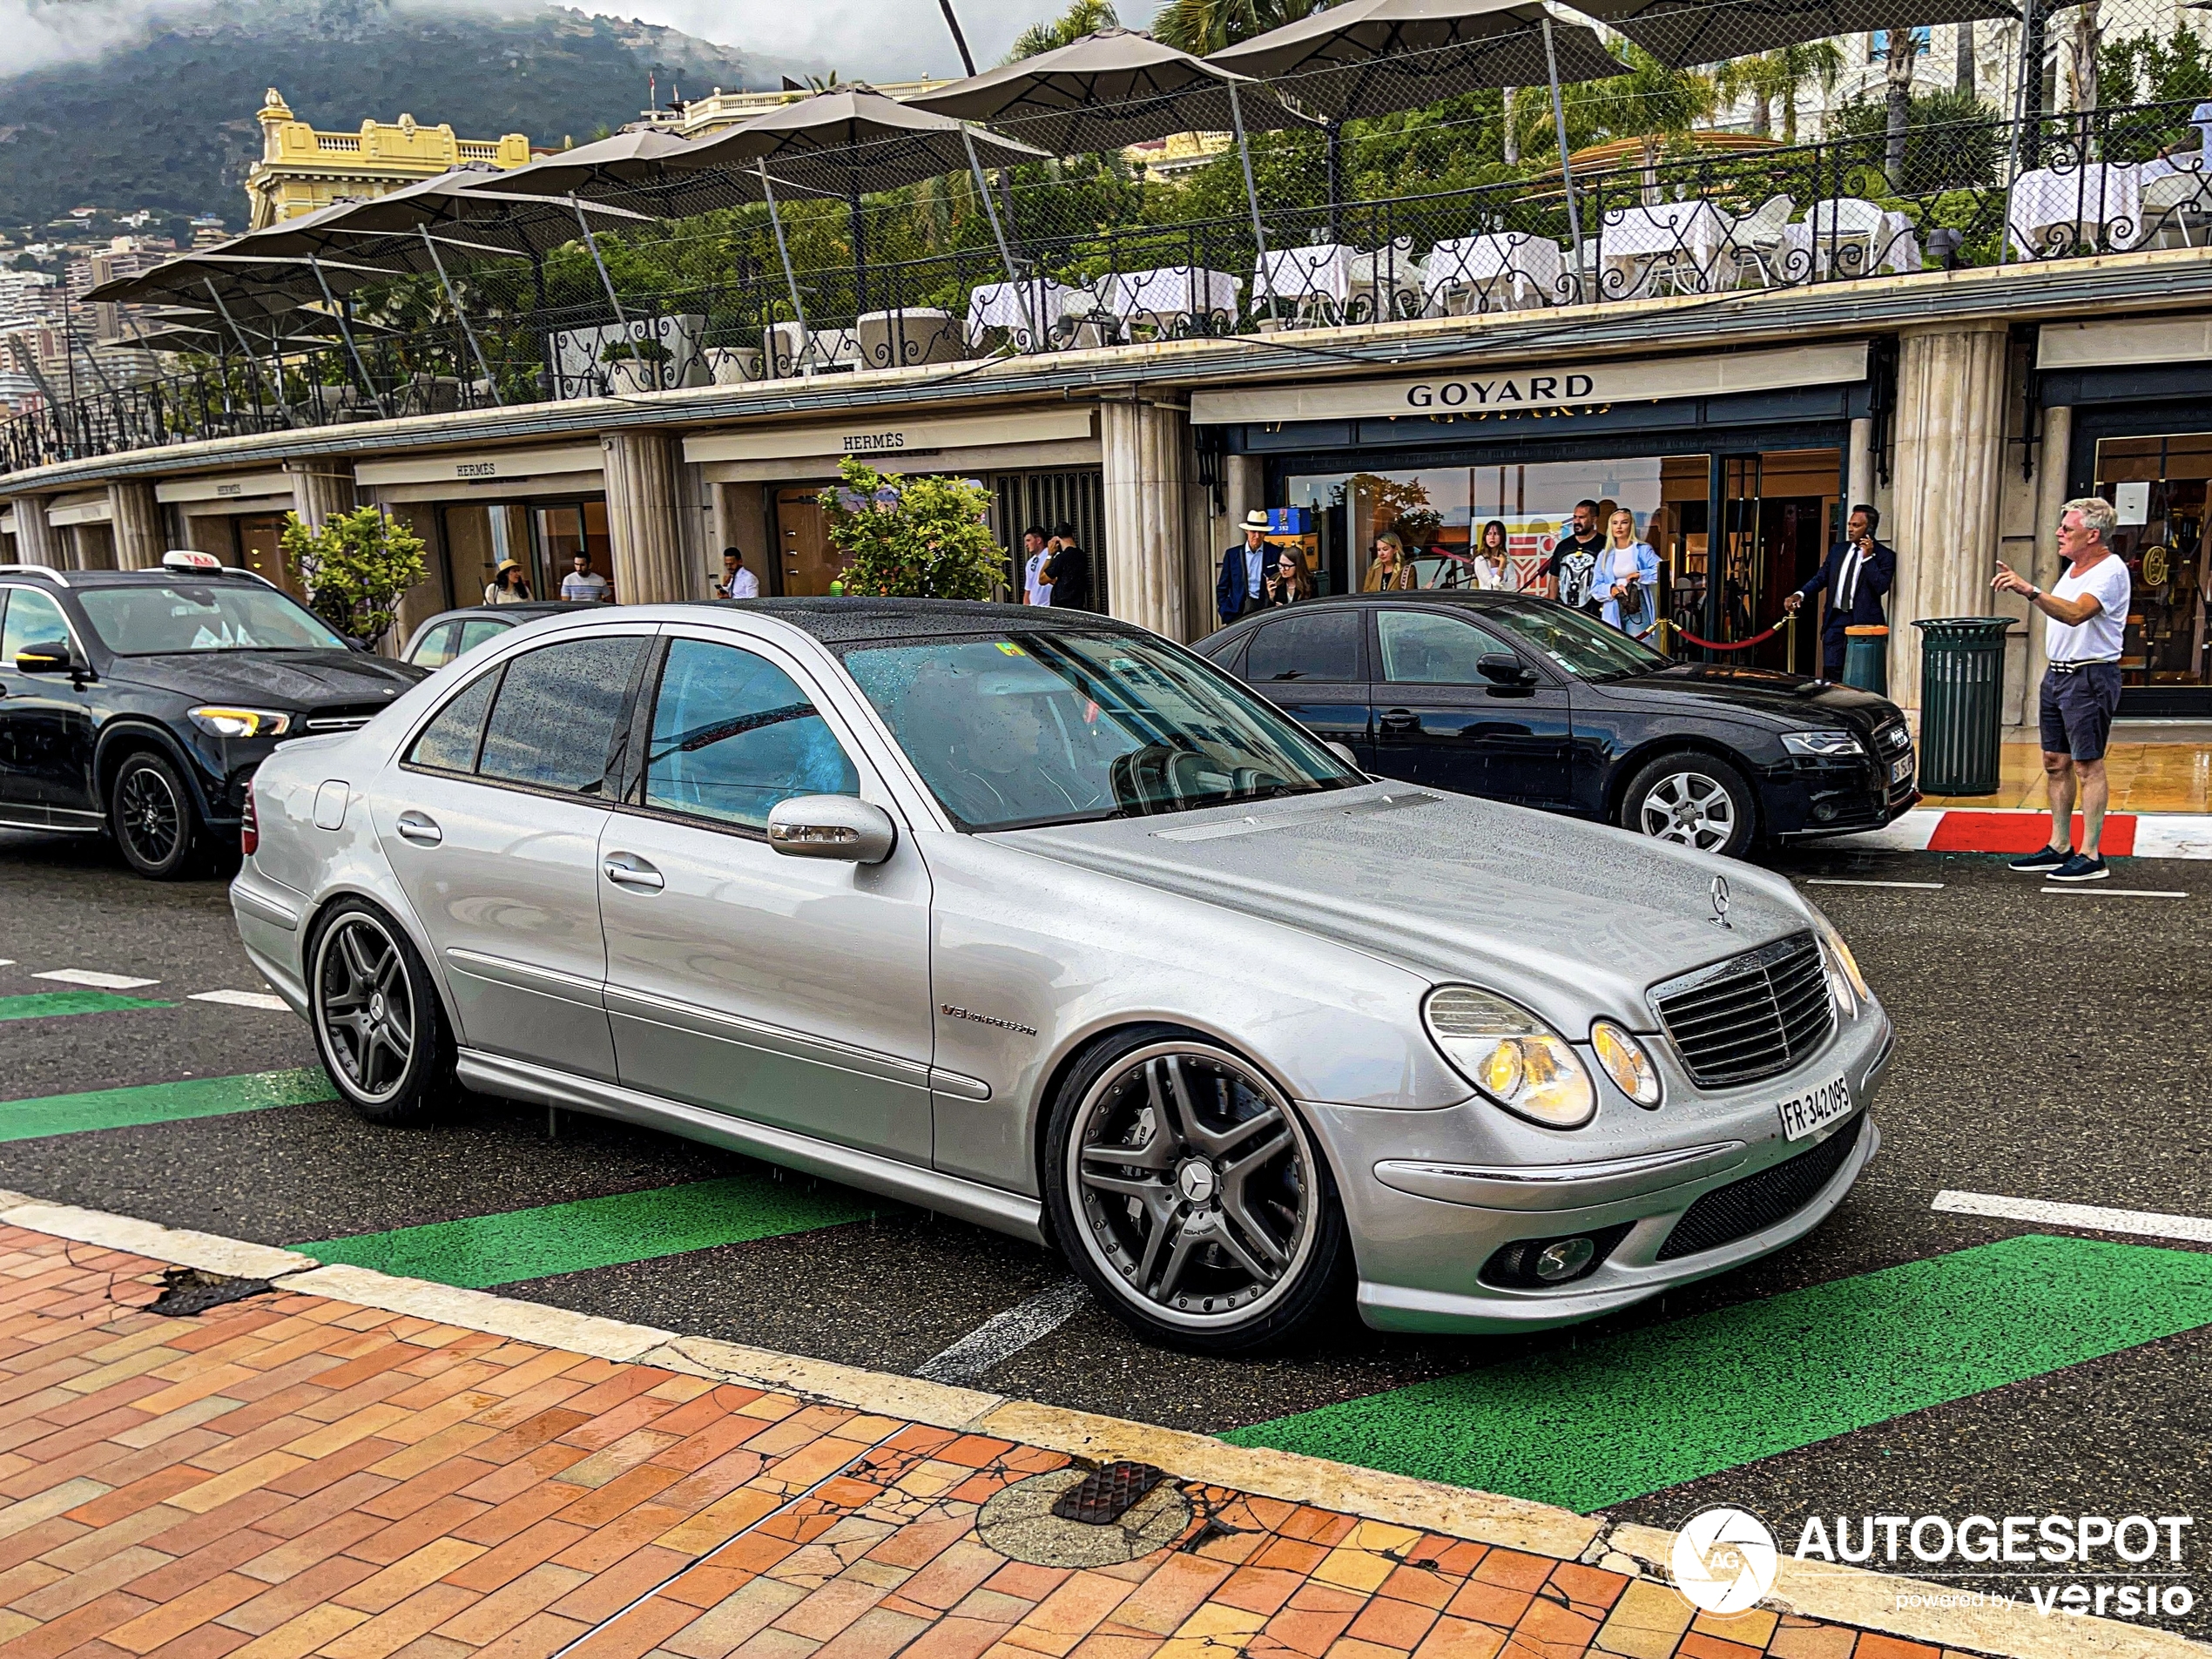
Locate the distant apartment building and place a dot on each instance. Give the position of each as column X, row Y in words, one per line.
column 302, row 169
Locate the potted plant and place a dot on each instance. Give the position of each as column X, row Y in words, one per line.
column 914, row 537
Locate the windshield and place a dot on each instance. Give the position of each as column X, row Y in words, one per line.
column 1054, row 728
column 1582, row 645
column 192, row 616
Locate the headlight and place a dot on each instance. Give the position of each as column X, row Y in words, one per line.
column 1512, row 1056
column 1625, row 1062
column 1824, row 744
column 239, row 723
column 1842, row 968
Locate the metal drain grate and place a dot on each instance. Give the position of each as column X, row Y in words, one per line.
column 188, row 1291
column 1106, row 1494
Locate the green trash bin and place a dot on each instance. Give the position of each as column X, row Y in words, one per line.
column 1962, row 698
column 1866, row 658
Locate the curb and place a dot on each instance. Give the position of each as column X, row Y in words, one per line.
column 1816, row 1589
column 2015, row 830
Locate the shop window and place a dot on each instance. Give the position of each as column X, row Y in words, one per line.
column 479, row 539
column 1322, row 645
column 2159, row 486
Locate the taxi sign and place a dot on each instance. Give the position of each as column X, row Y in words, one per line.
column 183, row 559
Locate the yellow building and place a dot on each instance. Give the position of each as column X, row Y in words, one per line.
column 302, row 170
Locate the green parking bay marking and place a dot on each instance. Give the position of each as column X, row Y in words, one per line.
column 50, row 1005
column 1634, row 1413
column 27, row 1120
column 481, row 1252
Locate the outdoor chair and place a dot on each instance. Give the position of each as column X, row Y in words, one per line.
column 2171, row 200
column 902, row 338
column 1754, row 240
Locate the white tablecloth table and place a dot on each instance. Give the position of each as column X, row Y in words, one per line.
column 1687, row 235
column 2100, row 202
column 1853, row 236
column 1170, row 291
column 1030, row 307
column 1337, row 279
column 1529, row 268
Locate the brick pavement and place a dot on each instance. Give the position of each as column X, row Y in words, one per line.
column 291, row 1476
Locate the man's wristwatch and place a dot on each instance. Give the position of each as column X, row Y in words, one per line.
column 2033, row 594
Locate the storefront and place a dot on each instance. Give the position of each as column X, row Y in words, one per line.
column 2129, row 399
column 1755, row 444
column 475, row 512
column 769, row 488
column 237, row 517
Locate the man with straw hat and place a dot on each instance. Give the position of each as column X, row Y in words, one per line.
column 1242, row 583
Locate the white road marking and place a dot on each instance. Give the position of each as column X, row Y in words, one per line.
column 243, row 1000
column 98, row 981
column 2117, row 892
column 1004, row 1335
column 1840, row 881
column 2151, row 1222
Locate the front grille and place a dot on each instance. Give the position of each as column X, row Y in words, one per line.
column 1756, row 1202
column 1894, row 738
column 1755, row 1015
column 341, row 719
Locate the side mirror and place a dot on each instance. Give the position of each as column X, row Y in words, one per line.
column 1501, row 668
column 46, row 657
column 832, row 827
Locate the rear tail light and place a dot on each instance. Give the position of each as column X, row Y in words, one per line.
column 249, row 829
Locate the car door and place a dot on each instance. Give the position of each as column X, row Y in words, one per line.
column 793, row 992
column 491, row 822
column 1311, row 664
column 45, row 720
column 1439, row 721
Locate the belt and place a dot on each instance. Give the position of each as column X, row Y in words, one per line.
column 2074, row 667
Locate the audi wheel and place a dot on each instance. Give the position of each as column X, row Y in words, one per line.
column 1692, row 800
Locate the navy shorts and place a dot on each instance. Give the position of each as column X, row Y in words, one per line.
column 2077, row 709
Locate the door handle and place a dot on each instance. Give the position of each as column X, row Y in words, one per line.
column 628, row 870
column 420, row 828
column 1401, row 721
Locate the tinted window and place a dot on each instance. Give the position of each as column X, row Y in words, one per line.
column 435, row 649
column 151, row 620
column 1324, row 645
column 33, row 618
column 474, row 632
column 733, row 734
column 1428, row 648
column 449, row 743
column 553, row 722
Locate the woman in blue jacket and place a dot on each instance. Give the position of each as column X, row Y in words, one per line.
column 1627, row 569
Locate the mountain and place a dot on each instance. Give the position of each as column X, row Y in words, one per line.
column 157, row 111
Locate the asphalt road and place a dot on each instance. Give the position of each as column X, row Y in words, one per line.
column 2051, row 1048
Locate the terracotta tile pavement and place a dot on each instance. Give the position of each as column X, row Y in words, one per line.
column 292, row 1477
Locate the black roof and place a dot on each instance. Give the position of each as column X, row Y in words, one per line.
column 74, row 580
column 851, row 621
column 1473, row 598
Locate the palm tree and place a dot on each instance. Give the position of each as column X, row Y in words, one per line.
column 1203, row 26
column 1904, row 47
column 1083, row 17
column 1651, row 103
column 1776, row 78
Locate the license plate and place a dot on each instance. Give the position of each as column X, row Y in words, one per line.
column 1812, row 1111
column 1900, row 768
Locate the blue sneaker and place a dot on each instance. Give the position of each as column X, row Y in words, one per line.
column 2079, row 868
column 2043, row 863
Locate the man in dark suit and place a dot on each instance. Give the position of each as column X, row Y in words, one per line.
column 1242, row 585
column 1855, row 575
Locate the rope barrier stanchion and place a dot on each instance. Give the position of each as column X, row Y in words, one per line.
column 1733, row 645
column 1790, row 638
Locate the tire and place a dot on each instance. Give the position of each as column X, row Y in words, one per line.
column 380, row 1029
column 152, row 816
column 1693, row 799
column 1230, row 1237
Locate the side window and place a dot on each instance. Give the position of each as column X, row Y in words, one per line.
column 449, row 743
column 1322, row 645
column 474, row 632
column 1426, row 648
column 553, row 722
column 436, row 649
column 32, row 618
column 733, row 734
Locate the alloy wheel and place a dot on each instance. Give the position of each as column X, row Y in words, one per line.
column 149, row 815
column 1196, row 1189
column 1688, row 807
column 365, row 1005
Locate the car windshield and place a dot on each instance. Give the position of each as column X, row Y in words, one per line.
column 150, row 620
column 1582, row 645
column 1025, row 729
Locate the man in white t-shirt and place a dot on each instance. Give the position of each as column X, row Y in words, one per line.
column 584, row 585
column 1035, row 555
column 2087, row 612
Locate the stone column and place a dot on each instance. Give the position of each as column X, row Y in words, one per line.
column 645, row 504
column 136, row 516
column 322, row 489
column 2053, row 464
column 1950, row 437
column 36, row 541
column 1859, row 464
column 1144, row 449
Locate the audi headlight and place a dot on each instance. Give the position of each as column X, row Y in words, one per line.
column 1511, row 1056
column 219, row 722
column 1625, row 1062
column 1823, row 744
column 1849, row 985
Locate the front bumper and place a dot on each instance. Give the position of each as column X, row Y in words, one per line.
column 1421, row 1256
column 1803, row 800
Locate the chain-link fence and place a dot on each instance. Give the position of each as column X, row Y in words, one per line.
column 1848, row 159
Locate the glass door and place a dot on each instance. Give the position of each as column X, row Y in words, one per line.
column 564, row 529
column 2159, row 486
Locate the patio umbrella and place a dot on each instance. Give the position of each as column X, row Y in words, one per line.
column 844, row 142
column 1685, row 32
column 1117, row 87
column 1368, row 57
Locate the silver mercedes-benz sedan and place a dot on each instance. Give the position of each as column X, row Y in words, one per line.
column 1035, row 919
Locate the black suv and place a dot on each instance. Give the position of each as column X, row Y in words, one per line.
column 139, row 701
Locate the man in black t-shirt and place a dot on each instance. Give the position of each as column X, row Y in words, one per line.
column 1571, row 572
column 1070, row 572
